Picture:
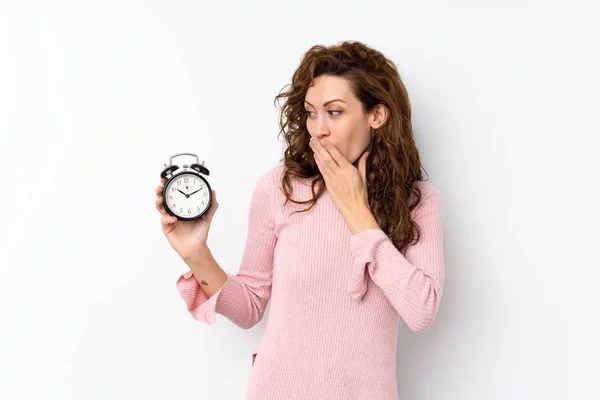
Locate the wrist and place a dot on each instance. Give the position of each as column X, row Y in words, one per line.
column 362, row 219
column 197, row 255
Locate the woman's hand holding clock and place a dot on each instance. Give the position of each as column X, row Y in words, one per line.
column 186, row 237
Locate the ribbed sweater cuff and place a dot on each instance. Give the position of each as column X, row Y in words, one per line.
column 198, row 304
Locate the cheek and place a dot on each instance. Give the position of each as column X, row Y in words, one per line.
column 344, row 129
column 355, row 133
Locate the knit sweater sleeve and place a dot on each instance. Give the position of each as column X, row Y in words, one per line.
column 244, row 296
column 413, row 282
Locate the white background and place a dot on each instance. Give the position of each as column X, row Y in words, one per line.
column 96, row 96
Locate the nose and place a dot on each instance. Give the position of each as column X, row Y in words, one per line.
column 322, row 136
column 322, row 128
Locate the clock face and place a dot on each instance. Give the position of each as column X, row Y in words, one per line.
column 187, row 195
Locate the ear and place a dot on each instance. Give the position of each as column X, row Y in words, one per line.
column 379, row 116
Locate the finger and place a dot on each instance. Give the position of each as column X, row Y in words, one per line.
column 322, row 170
column 213, row 207
column 158, row 203
column 158, row 190
column 314, row 147
column 168, row 221
column 335, row 154
column 318, row 151
column 326, row 163
column 323, row 166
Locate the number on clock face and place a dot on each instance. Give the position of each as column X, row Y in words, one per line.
column 187, row 195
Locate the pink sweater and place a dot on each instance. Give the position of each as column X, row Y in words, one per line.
column 336, row 298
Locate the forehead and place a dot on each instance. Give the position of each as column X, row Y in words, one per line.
column 324, row 88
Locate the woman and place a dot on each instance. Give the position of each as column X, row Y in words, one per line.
column 342, row 272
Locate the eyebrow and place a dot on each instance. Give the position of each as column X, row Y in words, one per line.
column 327, row 102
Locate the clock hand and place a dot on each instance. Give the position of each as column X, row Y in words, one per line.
column 195, row 192
column 186, row 195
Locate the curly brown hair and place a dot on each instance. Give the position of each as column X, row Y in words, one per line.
column 393, row 164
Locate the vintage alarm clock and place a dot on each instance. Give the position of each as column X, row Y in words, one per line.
column 187, row 194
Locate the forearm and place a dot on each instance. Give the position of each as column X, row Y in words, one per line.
column 210, row 276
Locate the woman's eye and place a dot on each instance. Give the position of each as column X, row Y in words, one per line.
column 331, row 111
